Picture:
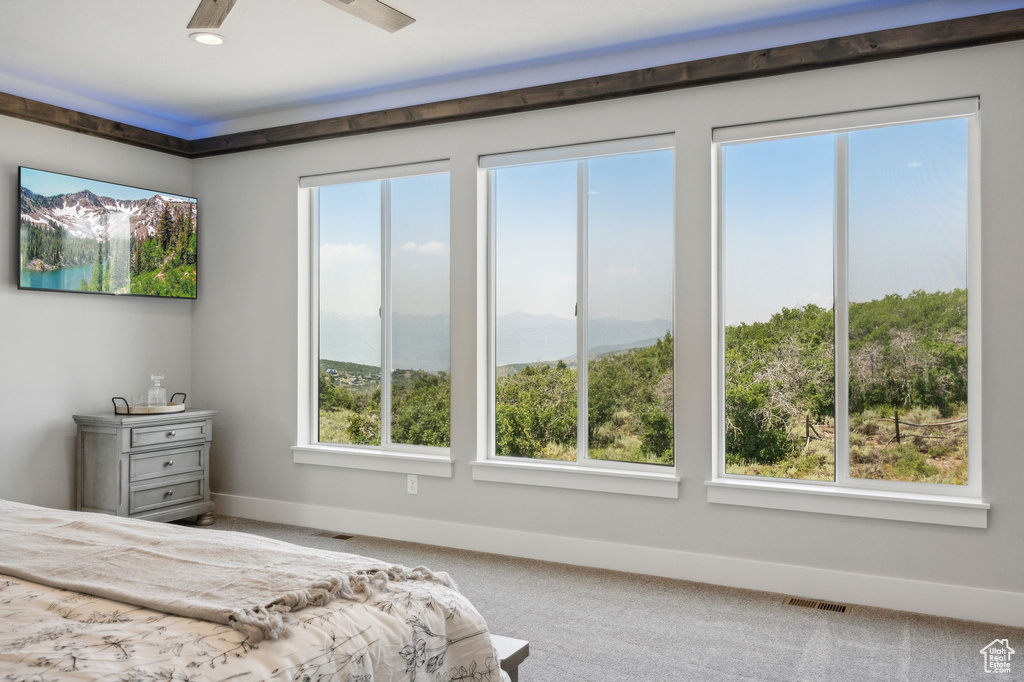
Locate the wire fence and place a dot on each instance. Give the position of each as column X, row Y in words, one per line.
column 811, row 433
column 899, row 435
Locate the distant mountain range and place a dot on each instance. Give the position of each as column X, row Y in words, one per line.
column 84, row 214
column 421, row 341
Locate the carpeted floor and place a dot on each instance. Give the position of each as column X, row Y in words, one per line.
column 590, row 625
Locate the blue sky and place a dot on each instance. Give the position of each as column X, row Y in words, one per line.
column 420, row 241
column 907, row 217
column 350, row 234
column 908, row 209
column 350, row 244
column 535, row 239
column 50, row 184
column 907, row 225
column 630, row 247
column 631, row 218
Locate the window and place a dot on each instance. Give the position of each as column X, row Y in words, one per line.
column 844, row 293
column 581, row 284
column 382, row 299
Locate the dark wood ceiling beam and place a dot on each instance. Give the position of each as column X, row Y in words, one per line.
column 898, row 42
column 864, row 47
column 69, row 119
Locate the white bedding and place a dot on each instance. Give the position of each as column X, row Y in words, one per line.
column 412, row 631
column 252, row 583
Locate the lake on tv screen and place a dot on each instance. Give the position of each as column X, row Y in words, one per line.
column 91, row 236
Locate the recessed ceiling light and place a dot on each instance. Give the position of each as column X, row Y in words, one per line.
column 204, row 38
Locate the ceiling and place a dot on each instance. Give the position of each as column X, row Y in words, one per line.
column 287, row 60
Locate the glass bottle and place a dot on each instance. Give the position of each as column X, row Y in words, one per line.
column 157, row 393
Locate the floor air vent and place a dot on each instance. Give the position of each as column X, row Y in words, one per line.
column 815, row 604
column 334, row 536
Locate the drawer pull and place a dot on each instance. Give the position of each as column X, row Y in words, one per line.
column 168, row 493
column 169, row 463
column 172, row 434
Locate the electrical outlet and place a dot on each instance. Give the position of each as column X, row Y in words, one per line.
column 413, row 485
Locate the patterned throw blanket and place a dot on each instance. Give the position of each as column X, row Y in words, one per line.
column 417, row 631
column 252, row 584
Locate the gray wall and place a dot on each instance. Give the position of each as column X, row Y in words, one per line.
column 245, row 326
column 62, row 354
column 237, row 346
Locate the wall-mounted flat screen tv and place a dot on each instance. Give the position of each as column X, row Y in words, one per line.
column 90, row 236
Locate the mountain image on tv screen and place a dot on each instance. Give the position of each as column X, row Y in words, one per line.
column 90, row 236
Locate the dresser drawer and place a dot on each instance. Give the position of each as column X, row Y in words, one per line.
column 157, row 494
column 148, row 465
column 148, row 436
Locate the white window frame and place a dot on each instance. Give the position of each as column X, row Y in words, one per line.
column 923, row 502
column 585, row 473
column 388, row 456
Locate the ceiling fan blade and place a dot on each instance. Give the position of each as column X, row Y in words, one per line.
column 211, row 13
column 374, row 12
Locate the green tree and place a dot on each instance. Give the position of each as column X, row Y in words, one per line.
column 421, row 409
column 905, row 352
column 535, row 407
column 364, row 426
column 165, row 229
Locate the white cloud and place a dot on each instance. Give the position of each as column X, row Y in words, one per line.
column 620, row 271
column 344, row 253
column 429, row 248
column 914, row 164
column 820, row 298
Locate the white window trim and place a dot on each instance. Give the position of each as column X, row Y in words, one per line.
column 585, row 473
column 949, row 510
column 374, row 460
column 404, row 170
column 388, row 457
column 548, row 474
column 850, row 120
column 924, row 502
column 572, row 152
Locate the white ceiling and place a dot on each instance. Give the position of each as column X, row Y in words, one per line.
column 287, row 60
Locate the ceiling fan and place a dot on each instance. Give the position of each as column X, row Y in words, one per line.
column 211, row 13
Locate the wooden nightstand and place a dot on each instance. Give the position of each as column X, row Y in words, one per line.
column 154, row 467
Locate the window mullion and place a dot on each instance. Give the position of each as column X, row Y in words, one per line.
column 582, row 247
column 385, row 313
column 492, row 313
column 314, row 317
column 841, row 310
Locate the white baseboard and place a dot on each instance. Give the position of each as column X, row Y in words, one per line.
column 939, row 599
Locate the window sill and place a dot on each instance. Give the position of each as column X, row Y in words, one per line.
column 945, row 510
column 577, row 477
column 353, row 458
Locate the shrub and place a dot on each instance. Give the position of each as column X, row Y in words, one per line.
column 421, row 409
column 910, row 464
column 535, row 407
column 657, row 433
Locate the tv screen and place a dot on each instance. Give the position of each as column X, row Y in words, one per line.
column 97, row 237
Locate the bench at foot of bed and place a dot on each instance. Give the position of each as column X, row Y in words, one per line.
column 512, row 652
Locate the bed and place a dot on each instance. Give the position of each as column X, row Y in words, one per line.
column 413, row 627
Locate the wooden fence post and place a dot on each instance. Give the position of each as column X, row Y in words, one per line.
column 896, row 417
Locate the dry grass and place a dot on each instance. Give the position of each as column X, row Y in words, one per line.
column 923, row 455
column 334, row 426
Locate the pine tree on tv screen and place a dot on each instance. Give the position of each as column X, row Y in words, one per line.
column 92, row 236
